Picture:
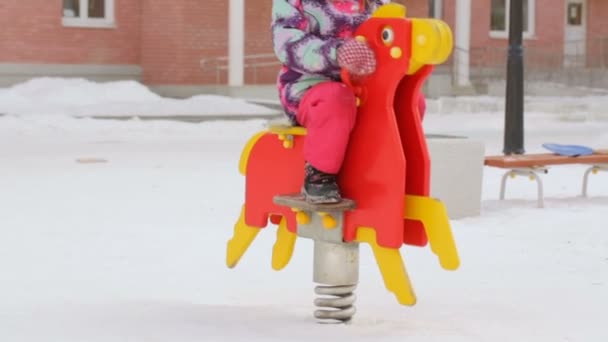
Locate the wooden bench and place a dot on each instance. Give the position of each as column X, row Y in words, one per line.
column 532, row 164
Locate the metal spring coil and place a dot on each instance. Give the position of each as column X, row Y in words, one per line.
column 341, row 303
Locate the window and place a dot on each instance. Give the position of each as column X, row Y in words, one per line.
column 499, row 18
column 88, row 13
column 575, row 14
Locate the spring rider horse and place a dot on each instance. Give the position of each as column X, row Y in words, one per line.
column 385, row 178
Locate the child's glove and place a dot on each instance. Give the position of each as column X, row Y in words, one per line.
column 356, row 57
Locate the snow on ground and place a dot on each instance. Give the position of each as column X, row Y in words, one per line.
column 132, row 248
column 82, row 98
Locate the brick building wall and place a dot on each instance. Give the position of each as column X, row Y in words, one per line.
column 176, row 35
column 544, row 48
column 597, row 33
column 258, row 41
column 415, row 8
column 597, row 25
column 32, row 32
column 169, row 39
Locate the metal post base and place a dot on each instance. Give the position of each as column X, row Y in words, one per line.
column 336, row 267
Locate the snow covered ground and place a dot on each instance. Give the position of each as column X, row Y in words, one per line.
column 130, row 246
column 81, row 98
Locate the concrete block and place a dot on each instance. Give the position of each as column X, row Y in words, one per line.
column 457, row 173
column 437, row 85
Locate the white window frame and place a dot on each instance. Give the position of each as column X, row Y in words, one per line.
column 530, row 34
column 83, row 19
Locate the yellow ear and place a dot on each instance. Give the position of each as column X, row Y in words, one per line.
column 432, row 43
column 390, row 10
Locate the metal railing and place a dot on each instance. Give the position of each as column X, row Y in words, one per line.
column 542, row 62
column 490, row 61
column 254, row 65
column 585, row 62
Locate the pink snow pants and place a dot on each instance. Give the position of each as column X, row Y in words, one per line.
column 328, row 111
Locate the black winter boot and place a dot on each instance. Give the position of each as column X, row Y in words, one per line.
column 320, row 187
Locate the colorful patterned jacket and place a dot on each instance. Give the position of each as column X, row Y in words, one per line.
column 306, row 35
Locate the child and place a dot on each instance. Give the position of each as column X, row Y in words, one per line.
column 314, row 40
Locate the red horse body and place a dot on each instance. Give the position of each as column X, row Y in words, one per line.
column 387, row 165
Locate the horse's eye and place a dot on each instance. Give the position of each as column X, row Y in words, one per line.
column 388, row 36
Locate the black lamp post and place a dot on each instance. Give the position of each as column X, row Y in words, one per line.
column 514, row 111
